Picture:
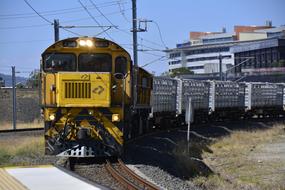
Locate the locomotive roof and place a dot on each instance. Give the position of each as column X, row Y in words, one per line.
column 85, row 38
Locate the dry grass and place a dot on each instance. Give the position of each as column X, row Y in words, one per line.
column 20, row 150
column 236, row 165
column 9, row 125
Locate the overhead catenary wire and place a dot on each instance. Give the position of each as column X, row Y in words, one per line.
column 105, row 30
column 47, row 13
column 22, row 42
column 60, row 10
column 88, row 18
column 48, row 21
column 95, row 6
column 21, row 27
column 160, row 35
column 95, row 20
column 122, row 11
column 118, row 27
column 37, row 12
column 153, row 61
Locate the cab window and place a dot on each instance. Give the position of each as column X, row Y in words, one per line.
column 97, row 62
column 59, row 62
column 121, row 65
column 144, row 82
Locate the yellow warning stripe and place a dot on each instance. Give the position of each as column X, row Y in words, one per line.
column 8, row 182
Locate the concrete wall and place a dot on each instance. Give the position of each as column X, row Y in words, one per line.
column 239, row 29
column 245, row 36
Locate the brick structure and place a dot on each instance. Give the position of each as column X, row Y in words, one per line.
column 198, row 35
column 239, row 29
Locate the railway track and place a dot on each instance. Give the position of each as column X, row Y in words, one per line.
column 127, row 178
column 21, row 130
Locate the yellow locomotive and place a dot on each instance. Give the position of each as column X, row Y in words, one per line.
column 87, row 98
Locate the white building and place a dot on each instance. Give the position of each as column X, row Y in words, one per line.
column 203, row 55
column 201, row 58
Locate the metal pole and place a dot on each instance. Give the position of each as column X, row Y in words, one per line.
column 189, row 119
column 14, row 98
column 56, row 29
column 123, row 99
column 220, row 65
column 189, row 124
column 135, row 51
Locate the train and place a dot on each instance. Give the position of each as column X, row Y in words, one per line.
column 87, row 98
column 91, row 108
column 214, row 100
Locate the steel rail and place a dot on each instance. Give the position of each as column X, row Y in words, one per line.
column 21, row 130
column 145, row 183
column 121, row 179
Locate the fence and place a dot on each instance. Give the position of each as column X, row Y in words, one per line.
column 27, row 108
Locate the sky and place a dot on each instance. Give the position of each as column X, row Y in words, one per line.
column 24, row 35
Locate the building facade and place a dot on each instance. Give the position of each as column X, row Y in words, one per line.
column 260, row 57
column 201, row 58
column 201, row 53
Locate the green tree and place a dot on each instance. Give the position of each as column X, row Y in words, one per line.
column 178, row 72
column 181, row 71
column 33, row 80
column 280, row 63
column 165, row 74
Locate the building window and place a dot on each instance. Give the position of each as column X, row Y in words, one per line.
column 207, row 50
column 208, row 58
column 274, row 55
column 173, row 55
column 174, row 62
column 196, row 67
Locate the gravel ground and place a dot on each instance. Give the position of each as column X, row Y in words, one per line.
column 164, row 179
column 97, row 174
column 164, row 157
column 152, row 156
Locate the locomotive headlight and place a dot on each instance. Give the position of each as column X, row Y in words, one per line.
column 52, row 117
column 82, row 43
column 91, row 112
column 115, row 118
column 89, row 43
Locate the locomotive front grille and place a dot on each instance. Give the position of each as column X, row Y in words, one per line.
column 77, row 90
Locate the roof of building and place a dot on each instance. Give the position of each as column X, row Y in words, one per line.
column 272, row 30
column 224, row 44
column 257, row 44
column 222, row 35
column 205, row 46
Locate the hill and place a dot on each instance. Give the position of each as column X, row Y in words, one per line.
column 8, row 79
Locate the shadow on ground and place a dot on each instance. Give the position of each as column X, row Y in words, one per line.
column 169, row 150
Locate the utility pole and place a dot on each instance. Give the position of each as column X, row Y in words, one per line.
column 135, row 51
column 56, row 29
column 14, row 98
column 220, row 65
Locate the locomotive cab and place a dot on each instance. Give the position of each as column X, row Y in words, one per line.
column 83, row 81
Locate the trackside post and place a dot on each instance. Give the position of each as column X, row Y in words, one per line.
column 188, row 117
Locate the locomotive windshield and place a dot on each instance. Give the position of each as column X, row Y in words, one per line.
column 98, row 62
column 59, row 62
column 121, row 65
